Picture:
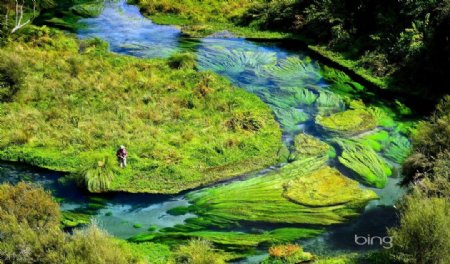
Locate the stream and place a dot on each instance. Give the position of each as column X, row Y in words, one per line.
column 130, row 33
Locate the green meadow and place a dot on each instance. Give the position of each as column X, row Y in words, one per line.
column 69, row 104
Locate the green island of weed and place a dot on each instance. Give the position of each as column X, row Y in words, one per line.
column 326, row 187
column 306, row 146
column 349, row 122
column 74, row 103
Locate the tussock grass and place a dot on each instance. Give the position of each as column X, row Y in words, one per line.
column 73, row 107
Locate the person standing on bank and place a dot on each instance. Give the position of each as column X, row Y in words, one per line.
column 121, row 155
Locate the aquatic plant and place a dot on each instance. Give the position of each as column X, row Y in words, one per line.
column 306, row 146
column 326, row 187
column 364, row 161
column 349, row 122
column 233, row 61
column 292, row 71
column 398, row 148
column 75, row 219
column 376, row 140
column 340, row 82
column 290, row 118
column 299, row 95
column 260, row 200
column 328, row 102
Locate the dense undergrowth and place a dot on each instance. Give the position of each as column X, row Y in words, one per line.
column 70, row 105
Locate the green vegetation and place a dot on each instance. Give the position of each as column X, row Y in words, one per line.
column 182, row 128
column 287, row 254
column 397, row 44
column 30, row 228
column 198, row 251
column 349, row 122
column 326, row 187
column 306, row 146
column 373, row 169
column 202, row 18
column 424, row 232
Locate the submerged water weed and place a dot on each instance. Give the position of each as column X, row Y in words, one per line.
column 292, row 71
column 326, row 187
column 328, row 102
column 398, row 148
column 364, row 161
column 290, row 118
column 233, row 61
column 260, row 199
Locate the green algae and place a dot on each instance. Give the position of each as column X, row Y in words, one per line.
column 365, row 162
column 326, row 187
column 350, row 122
column 328, row 102
column 290, row 118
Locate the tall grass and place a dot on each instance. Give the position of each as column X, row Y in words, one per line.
column 77, row 103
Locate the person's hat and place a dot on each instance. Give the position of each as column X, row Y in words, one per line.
column 122, row 146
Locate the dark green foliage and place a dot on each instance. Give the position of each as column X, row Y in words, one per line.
column 431, row 147
column 11, row 74
column 180, row 210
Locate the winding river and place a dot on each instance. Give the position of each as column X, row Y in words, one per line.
column 129, row 33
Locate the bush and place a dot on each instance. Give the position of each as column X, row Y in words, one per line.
column 287, row 254
column 11, row 74
column 423, row 236
column 198, row 251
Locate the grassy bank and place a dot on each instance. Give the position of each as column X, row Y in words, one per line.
column 70, row 104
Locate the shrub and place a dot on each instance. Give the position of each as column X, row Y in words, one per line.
column 11, row 75
column 423, row 236
column 287, row 254
column 198, row 251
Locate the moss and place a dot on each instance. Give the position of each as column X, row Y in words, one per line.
column 364, row 161
column 173, row 121
column 326, row 187
column 152, row 228
column 137, row 226
column 306, row 146
column 349, row 122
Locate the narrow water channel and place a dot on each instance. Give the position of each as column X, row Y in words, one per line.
column 130, row 33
